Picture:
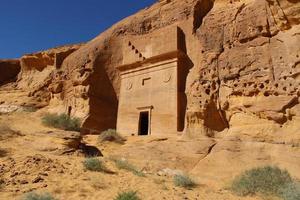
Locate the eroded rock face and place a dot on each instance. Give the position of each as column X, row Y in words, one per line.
column 92, row 87
column 9, row 70
column 244, row 64
column 249, row 64
column 38, row 73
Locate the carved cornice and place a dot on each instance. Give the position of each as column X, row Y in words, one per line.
column 152, row 60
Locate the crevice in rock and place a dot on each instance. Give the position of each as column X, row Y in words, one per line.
column 291, row 104
column 249, row 39
column 210, row 148
column 284, row 15
column 295, row 64
column 240, row 9
column 285, row 24
column 201, row 9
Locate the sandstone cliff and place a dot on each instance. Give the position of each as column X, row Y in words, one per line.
column 244, row 72
column 29, row 78
column 248, row 74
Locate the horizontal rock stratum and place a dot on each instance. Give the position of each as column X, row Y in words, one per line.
column 240, row 72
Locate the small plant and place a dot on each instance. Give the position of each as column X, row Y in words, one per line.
column 94, row 164
column 183, row 181
column 61, row 121
column 124, row 164
column 291, row 191
column 130, row 195
column 36, row 196
column 263, row 180
column 111, row 135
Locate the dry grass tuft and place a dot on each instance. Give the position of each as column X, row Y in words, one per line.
column 183, row 181
column 36, row 196
column 94, row 164
column 266, row 181
column 124, row 164
column 111, row 135
column 130, row 195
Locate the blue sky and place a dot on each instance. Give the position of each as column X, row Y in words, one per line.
column 28, row 26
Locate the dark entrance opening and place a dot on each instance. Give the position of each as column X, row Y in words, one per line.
column 69, row 110
column 144, row 123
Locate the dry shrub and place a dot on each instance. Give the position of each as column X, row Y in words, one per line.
column 183, row 181
column 267, row 181
column 94, row 164
column 129, row 195
column 124, row 164
column 291, row 191
column 111, row 135
column 36, row 196
column 62, row 121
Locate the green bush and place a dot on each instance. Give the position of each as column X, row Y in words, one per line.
column 62, row 121
column 124, row 164
column 35, row 196
column 291, row 191
column 263, row 180
column 93, row 164
column 183, row 181
column 130, row 195
column 111, row 135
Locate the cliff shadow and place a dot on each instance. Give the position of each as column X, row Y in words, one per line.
column 103, row 98
column 184, row 66
column 201, row 9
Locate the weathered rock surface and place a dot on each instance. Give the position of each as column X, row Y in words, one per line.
column 30, row 171
column 30, row 162
column 9, row 69
column 249, row 64
column 33, row 74
column 244, row 75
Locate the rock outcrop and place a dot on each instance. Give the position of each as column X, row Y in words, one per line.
column 93, row 83
column 249, row 66
column 32, row 75
column 9, row 69
column 244, row 70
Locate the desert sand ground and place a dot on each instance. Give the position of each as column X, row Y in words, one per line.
column 26, row 166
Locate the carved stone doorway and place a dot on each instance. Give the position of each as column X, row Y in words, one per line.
column 144, row 123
